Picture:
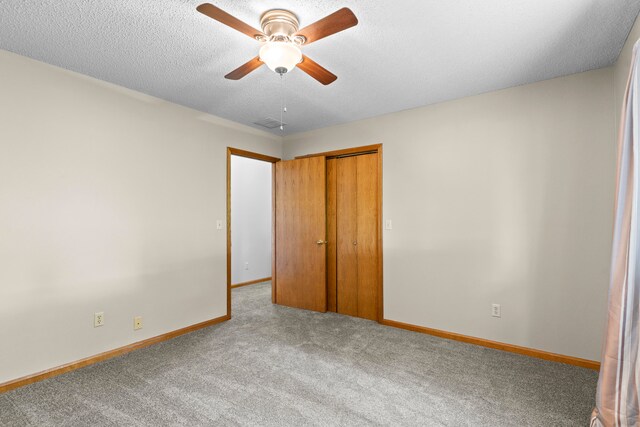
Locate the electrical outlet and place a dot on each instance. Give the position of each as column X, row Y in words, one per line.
column 495, row 310
column 246, row 265
column 98, row 319
column 137, row 323
column 388, row 225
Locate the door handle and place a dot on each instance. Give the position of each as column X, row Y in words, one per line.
column 322, row 242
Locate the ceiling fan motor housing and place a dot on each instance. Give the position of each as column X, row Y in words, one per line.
column 279, row 24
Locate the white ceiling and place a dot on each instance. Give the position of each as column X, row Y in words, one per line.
column 403, row 53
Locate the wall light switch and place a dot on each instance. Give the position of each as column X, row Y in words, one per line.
column 388, row 225
column 219, row 224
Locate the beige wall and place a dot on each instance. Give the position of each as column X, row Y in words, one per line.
column 108, row 202
column 621, row 70
column 501, row 198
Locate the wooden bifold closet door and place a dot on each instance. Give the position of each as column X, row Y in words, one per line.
column 352, row 228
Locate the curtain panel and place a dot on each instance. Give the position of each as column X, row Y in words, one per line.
column 617, row 393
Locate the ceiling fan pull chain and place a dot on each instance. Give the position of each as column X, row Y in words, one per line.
column 284, row 95
column 281, row 100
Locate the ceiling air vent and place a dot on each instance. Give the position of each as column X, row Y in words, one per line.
column 269, row 123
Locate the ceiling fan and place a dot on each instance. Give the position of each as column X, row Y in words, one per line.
column 282, row 40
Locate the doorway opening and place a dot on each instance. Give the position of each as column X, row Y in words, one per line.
column 249, row 219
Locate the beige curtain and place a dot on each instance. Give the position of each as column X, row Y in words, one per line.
column 617, row 395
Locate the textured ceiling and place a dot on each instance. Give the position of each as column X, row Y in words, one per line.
column 403, row 54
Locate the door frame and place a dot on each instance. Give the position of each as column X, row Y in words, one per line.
column 256, row 156
column 354, row 151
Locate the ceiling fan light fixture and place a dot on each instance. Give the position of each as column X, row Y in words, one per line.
column 282, row 38
column 280, row 57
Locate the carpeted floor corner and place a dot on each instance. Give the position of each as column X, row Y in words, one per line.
column 276, row 366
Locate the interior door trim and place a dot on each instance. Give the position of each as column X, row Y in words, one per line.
column 376, row 148
column 256, row 156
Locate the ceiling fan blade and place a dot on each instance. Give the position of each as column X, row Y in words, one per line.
column 221, row 16
column 316, row 71
column 244, row 69
column 331, row 24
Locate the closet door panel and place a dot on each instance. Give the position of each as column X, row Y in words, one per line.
column 367, row 235
column 347, row 250
column 332, row 237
